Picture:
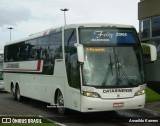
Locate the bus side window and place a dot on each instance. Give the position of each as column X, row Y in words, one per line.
column 42, row 47
column 55, row 45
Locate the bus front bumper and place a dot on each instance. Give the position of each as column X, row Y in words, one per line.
column 89, row 104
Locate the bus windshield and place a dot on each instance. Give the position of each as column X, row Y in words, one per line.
column 111, row 66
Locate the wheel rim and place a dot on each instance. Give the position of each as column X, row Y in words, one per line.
column 60, row 103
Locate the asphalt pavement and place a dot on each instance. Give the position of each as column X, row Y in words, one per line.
column 155, row 106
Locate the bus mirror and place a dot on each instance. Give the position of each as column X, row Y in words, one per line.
column 80, row 52
column 149, row 52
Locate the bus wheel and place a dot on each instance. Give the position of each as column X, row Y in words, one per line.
column 17, row 94
column 60, row 103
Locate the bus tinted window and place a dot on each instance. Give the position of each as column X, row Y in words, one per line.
column 34, row 49
column 55, row 45
column 108, row 36
column 42, row 48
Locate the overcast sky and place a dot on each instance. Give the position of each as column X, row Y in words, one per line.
column 31, row 16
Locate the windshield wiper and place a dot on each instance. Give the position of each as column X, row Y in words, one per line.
column 110, row 64
column 110, row 68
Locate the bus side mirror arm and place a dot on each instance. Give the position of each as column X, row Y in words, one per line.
column 150, row 50
column 80, row 52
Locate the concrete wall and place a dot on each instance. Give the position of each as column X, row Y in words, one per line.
column 148, row 8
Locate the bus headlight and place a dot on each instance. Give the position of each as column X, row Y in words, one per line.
column 140, row 92
column 91, row 94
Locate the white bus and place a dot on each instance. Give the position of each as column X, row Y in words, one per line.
column 83, row 67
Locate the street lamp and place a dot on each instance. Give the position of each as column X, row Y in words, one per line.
column 64, row 10
column 10, row 28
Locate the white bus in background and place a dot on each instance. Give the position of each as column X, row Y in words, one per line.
column 1, row 72
column 83, row 67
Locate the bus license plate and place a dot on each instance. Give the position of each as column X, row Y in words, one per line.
column 121, row 104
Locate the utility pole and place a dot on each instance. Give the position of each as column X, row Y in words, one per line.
column 10, row 28
column 64, row 10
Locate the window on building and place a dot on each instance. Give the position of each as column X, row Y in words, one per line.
column 145, row 29
column 156, row 26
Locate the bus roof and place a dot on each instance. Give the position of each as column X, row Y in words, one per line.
column 52, row 30
column 98, row 25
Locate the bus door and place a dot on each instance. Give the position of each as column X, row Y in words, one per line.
column 72, row 68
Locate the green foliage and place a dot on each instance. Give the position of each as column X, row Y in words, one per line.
column 152, row 96
column 145, row 49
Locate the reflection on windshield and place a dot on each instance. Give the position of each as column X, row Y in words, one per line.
column 112, row 66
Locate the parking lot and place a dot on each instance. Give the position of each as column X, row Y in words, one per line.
column 8, row 106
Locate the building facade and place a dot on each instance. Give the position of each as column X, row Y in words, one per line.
column 149, row 32
column 149, row 22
